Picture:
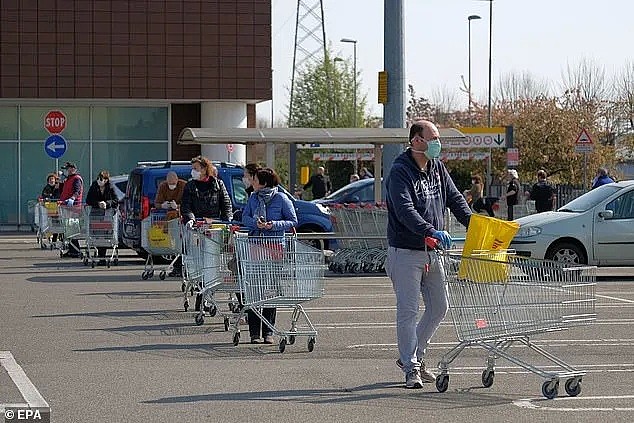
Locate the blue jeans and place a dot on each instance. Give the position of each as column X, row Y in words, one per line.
column 406, row 269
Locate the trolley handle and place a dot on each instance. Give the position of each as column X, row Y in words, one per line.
column 432, row 243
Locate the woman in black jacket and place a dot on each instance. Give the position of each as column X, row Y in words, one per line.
column 101, row 196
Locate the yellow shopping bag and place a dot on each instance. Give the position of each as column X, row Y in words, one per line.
column 158, row 237
column 486, row 234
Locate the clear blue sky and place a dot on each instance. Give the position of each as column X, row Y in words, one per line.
column 539, row 36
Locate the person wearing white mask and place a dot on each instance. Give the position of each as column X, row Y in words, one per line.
column 419, row 189
column 249, row 173
column 170, row 192
column 101, row 196
column 205, row 196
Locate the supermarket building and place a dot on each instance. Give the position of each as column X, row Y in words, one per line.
column 128, row 75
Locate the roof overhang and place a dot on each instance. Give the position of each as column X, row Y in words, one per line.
column 305, row 135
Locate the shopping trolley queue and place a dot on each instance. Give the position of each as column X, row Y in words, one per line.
column 233, row 275
column 88, row 233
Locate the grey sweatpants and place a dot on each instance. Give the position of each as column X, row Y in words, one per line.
column 406, row 269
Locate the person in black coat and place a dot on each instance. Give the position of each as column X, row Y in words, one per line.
column 101, row 196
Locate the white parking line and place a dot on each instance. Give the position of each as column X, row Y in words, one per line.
column 541, row 343
column 530, row 403
column 615, row 298
column 29, row 392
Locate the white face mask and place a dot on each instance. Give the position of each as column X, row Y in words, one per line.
column 101, row 182
column 66, row 172
column 196, row 174
column 172, row 187
column 246, row 181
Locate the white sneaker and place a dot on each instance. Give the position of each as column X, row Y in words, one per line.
column 412, row 380
column 425, row 375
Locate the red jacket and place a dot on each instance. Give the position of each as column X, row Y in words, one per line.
column 73, row 187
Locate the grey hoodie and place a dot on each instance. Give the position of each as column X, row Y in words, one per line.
column 416, row 200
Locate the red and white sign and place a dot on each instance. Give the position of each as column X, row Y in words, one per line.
column 230, row 148
column 55, row 122
column 512, row 156
column 584, row 143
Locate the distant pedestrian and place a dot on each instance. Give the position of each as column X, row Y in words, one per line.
column 601, row 178
column 364, row 173
column 543, row 193
column 320, row 183
column 101, row 196
column 71, row 195
column 478, row 202
column 511, row 192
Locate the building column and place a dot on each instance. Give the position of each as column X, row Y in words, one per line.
column 224, row 114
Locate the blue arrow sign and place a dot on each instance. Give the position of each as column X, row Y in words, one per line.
column 55, row 146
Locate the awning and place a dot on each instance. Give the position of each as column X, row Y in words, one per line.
column 305, row 135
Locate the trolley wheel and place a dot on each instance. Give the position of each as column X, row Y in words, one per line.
column 226, row 322
column 291, row 339
column 550, row 389
column 487, row 378
column 116, row 261
column 150, row 273
column 199, row 319
column 86, row 262
column 183, row 287
column 573, row 386
column 186, row 305
column 282, row 345
column 212, row 311
column 311, row 344
column 144, row 276
column 236, row 339
column 442, row 382
column 162, row 275
column 108, row 264
column 92, row 264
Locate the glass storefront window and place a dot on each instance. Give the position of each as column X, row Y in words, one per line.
column 9, row 123
column 120, row 158
column 77, row 123
column 9, row 180
column 130, row 123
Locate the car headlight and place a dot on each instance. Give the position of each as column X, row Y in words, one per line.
column 528, row 231
column 323, row 209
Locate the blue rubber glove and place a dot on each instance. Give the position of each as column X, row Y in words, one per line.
column 444, row 238
column 70, row 202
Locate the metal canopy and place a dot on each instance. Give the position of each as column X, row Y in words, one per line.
column 305, row 135
column 270, row 136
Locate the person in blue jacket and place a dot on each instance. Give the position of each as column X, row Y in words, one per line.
column 419, row 189
column 268, row 212
column 601, row 178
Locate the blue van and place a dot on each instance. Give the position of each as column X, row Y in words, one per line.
column 143, row 184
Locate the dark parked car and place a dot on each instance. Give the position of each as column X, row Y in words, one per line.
column 144, row 181
column 361, row 191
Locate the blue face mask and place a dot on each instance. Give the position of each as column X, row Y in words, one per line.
column 433, row 149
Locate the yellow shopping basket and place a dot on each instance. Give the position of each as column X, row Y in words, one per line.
column 158, row 237
column 486, row 234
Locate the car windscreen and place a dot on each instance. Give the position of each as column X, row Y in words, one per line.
column 590, row 199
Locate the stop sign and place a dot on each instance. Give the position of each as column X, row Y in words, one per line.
column 55, row 121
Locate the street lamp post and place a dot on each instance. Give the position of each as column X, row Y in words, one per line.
column 490, row 43
column 470, row 18
column 354, row 94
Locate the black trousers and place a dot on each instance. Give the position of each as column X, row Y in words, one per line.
column 509, row 212
column 256, row 325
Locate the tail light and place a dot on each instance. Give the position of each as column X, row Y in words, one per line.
column 145, row 207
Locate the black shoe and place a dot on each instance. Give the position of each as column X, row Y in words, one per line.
column 199, row 301
column 175, row 273
column 255, row 340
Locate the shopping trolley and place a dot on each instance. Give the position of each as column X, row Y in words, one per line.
column 101, row 231
column 201, row 260
column 279, row 272
column 219, row 295
column 498, row 299
column 73, row 228
column 160, row 236
column 49, row 223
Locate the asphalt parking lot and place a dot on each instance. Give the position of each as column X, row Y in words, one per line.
column 104, row 345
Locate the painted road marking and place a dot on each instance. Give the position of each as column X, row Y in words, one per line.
column 530, row 403
column 540, row 343
column 28, row 391
column 615, row 298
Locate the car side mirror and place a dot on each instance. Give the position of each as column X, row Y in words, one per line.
column 606, row 214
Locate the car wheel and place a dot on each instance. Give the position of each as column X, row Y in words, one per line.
column 316, row 243
column 566, row 252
